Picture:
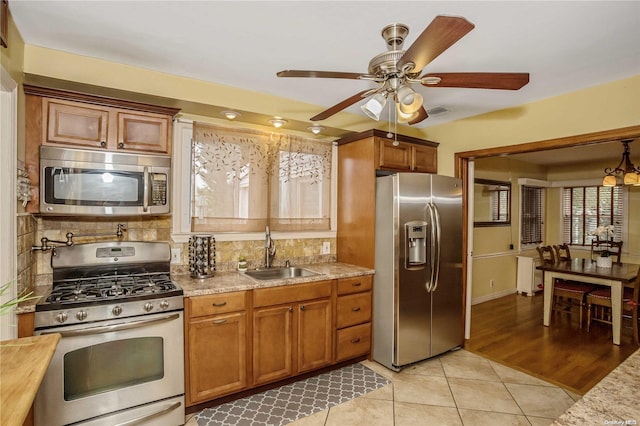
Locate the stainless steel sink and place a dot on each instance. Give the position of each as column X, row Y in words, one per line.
column 280, row 273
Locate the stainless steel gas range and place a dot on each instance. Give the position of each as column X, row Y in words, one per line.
column 120, row 359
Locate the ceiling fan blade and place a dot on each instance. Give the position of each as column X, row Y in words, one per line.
column 439, row 35
column 320, row 74
column 422, row 115
column 340, row 106
column 477, row 80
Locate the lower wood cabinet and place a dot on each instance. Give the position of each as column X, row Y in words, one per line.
column 294, row 337
column 241, row 340
column 216, row 346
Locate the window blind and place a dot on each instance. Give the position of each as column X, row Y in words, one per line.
column 584, row 208
column 532, row 215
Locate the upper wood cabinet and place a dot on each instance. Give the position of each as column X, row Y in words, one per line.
column 85, row 121
column 360, row 157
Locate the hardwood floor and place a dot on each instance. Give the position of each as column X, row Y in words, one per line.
column 509, row 330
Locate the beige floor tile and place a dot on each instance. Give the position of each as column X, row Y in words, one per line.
column 540, row 401
column 430, row 367
column 483, row 395
column 361, row 412
column 419, row 389
column 407, row 414
column 380, row 369
column 316, row 419
column 539, row 421
column 190, row 420
column 510, row 375
column 385, row 393
column 468, row 367
column 487, row 418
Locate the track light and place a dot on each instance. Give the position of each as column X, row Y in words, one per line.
column 374, row 106
column 277, row 122
column 409, row 100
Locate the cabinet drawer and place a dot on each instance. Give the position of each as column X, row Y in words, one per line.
column 217, row 303
column 354, row 284
column 354, row 309
column 291, row 293
column 353, row 341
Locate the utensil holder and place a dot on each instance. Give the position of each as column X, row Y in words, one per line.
column 202, row 256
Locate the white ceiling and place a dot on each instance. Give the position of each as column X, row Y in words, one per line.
column 564, row 45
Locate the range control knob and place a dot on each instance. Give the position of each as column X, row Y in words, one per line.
column 148, row 306
column 61, row 317
column 164, row 305
column 117, row 310
column 81, row 315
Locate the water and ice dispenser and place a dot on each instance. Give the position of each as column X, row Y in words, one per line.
column 416, row 244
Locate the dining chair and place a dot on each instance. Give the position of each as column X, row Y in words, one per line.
column 599, row 302
column 613, row 247
column 568, row 296
column 562, row 252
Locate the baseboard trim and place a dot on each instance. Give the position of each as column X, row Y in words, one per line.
column 492, row 296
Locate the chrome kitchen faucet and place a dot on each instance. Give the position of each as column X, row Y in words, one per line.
column 269, row 250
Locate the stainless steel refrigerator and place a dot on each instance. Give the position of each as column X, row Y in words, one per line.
column 418, row 301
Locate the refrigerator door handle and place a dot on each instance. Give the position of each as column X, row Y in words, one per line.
column 435, row 246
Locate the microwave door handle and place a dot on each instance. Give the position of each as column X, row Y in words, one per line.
column 114, row 327
column 145, row 195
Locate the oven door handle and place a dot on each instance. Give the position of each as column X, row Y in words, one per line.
column 144, row 419
column 114, row 327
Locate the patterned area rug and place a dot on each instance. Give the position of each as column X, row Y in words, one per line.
column 288, row 403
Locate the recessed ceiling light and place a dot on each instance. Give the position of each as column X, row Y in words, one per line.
column 231, row 115
column 277, row 122
column 315, row 129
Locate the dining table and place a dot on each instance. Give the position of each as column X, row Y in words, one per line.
column 586, row 270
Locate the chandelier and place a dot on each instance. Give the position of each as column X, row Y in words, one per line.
column 629, row 173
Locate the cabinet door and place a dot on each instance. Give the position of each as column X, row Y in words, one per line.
column 75, row 124
column 394, row 157
column 217, row 353
column 143, row 132
column 272, row 344
column 314, row 331
column 425, row 159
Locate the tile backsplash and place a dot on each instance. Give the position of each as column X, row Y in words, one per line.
column 26, row 232
column 90, row 229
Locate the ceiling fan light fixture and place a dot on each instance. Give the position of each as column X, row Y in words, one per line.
column 315, row 129
column 277, row 122
column 374, row 106
column 409, row 100
column 230, row 115
column 405, row 118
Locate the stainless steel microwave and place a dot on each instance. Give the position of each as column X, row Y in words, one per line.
column 85, row 182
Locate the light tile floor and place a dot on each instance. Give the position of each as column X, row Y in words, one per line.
column 457, row 388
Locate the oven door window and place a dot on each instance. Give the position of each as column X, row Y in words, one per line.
column 87, row 187
column 112, row 365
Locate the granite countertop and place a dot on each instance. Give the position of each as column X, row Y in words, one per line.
column 224, row 282
column 613, row 401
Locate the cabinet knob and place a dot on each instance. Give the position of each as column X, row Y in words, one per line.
column 103, row 144
column 218, row 304
column 290, row 308
column 358, row 284
column 356, row 309
column 302, row 307
column 120, row 145
column 219, row 321
column 356, row 340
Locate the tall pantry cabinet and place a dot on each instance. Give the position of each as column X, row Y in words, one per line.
column 360, row 158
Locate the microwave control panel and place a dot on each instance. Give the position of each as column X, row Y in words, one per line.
column 158, row 189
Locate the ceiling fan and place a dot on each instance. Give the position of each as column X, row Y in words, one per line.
column 396, row 70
